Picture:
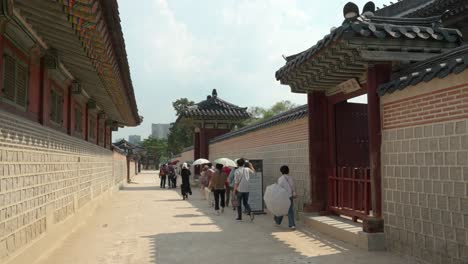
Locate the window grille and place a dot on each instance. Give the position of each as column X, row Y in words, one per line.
column 92, row 128
column 15, row 81
column 56, row 107
column 78, row 120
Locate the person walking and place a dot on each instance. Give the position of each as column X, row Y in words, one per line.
column 231, row 188
column 208, row 193
column 287, row 183
column 218, row 185
column 185, row 186
column 242, row 176
column 162, row 176
column 203, row 181
column 172, row 176
column 227, row 170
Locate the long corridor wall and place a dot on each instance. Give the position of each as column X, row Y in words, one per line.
column 49, row 182
column 282, row 144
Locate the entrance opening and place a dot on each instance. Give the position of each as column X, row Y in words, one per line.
column 349, row 178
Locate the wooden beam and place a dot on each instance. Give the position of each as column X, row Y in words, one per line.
column 387, row 56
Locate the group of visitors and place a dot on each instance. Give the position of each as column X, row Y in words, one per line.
column 227, row 185
column 167, row 173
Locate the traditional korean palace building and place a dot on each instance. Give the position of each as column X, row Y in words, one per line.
column 212, row 117
column 65, row 87
column 399, row 163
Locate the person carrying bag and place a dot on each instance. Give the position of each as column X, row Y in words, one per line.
column 287, row 183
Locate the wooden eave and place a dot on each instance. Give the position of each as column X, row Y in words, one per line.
column 348, row 50
column 77, row 31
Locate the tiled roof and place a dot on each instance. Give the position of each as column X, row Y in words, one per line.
column 369, row 26
column 401, row 7
column 454, row 61
column 288, row 116
column 216, row 108
column 437, row 7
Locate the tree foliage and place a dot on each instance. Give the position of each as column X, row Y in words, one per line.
column 156, row 151
column 181, row 132
column 259, row 114
column 182, row 104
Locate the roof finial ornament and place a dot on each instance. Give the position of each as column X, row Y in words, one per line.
column 214, row 93
column 369, row 9
column 351, row 11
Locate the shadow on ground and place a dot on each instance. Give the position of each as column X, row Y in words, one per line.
column 206, row 238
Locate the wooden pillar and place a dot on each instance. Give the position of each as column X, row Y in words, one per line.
column 70, row 112
column 86, row 126
column 376, row 75
column 196, row 149
column 203, row 144
column 34, row 90
column 128, row 169
column 318, row 150
column 44, row 95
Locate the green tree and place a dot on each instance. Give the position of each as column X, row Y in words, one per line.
column 259, row 114
column 180, row 105
column 181, row 132
column 180, row 136
column 156, row 151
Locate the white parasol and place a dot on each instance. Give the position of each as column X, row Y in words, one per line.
column 277, row 200
column 201, row 161
column 226, row 162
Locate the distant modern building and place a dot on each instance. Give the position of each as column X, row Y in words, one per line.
column 159, row 130
column 134, row 139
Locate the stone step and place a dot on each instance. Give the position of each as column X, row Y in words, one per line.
column 345, row 230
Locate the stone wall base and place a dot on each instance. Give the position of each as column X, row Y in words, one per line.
column 57, row 233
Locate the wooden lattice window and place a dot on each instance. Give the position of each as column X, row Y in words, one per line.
column 92, row 128
column 78, row 120
column 56, row 107
column 15, row 81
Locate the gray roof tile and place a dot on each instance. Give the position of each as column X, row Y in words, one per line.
column 454, row 61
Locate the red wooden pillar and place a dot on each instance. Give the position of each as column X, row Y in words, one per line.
column 105, row 135
column 44, row 95
column 70, row 112
column 34, row 91
column 196, row 149
column 110, row 137
column 203, row 144
column 318, row 150
column 376, row 75
column 128, row 169
column 86, row 122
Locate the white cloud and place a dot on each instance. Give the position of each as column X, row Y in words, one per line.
column 185, row 48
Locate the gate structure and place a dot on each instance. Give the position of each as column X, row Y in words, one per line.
column 349, row 183
column 355, row 58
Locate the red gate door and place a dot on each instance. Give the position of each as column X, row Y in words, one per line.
column 349, row 181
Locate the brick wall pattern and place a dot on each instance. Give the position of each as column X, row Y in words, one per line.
column 283, row 144
column 425, row 170
column 45, row 177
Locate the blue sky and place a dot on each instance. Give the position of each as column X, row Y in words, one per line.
column 185, row 48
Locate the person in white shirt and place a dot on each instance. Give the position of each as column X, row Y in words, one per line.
column 241, row 187
column 287, row 183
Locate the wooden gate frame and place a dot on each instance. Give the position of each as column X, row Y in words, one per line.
column 321, row 144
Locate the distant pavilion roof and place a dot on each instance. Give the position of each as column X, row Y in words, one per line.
column 214, row 108
column 345, row 53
